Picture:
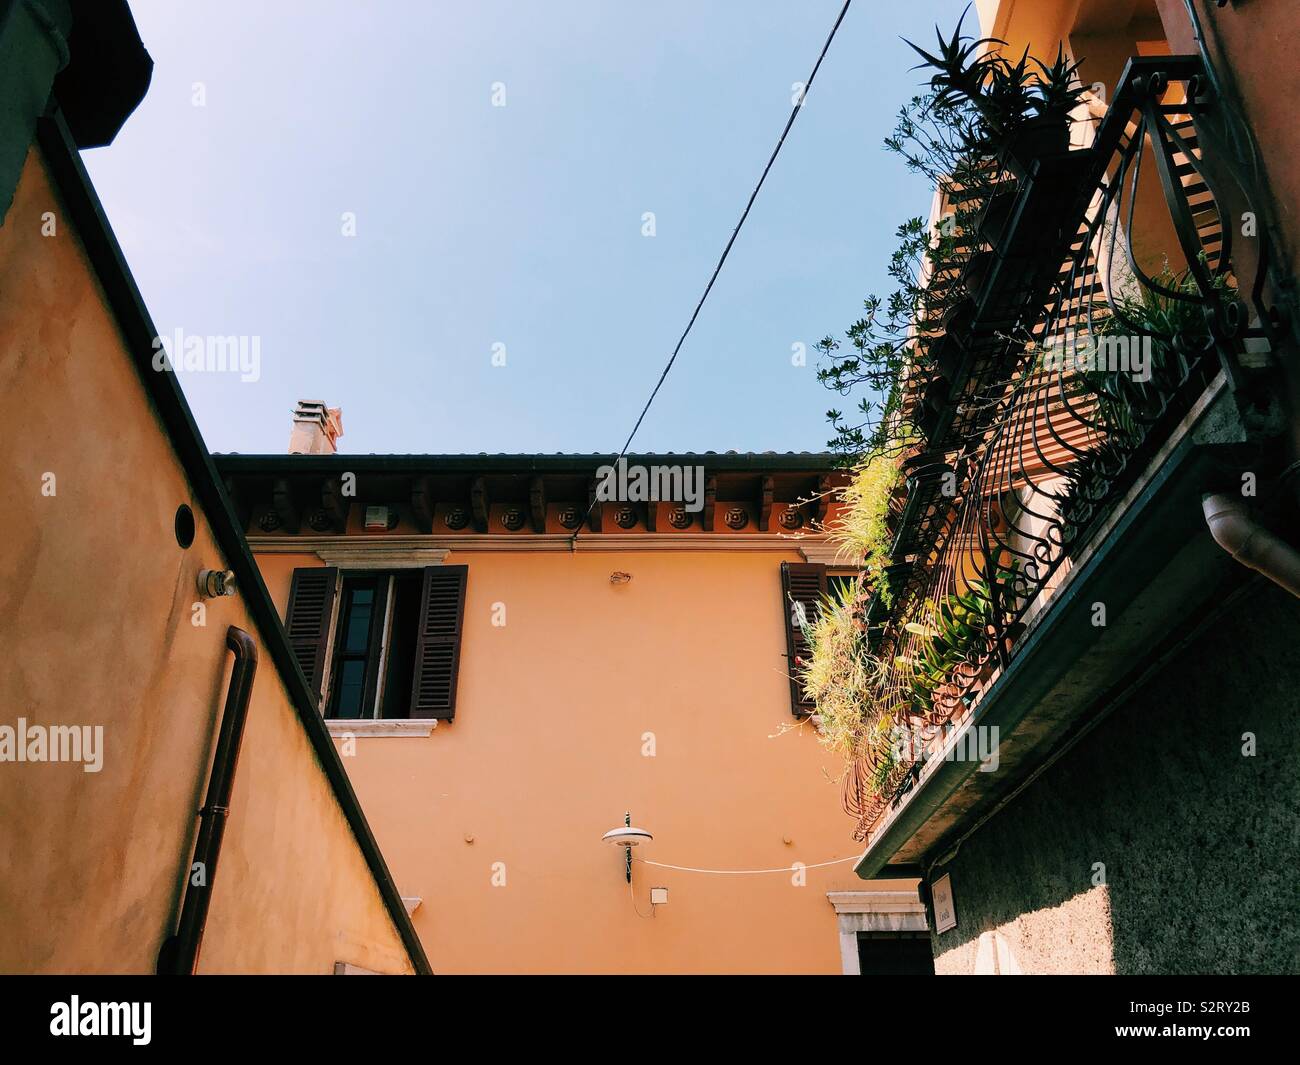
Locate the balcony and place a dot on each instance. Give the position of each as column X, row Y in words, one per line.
column 1099, row 365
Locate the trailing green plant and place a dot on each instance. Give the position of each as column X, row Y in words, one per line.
column 845, row 681
column 861, row 527
column 934, row 139
column 883, row 346
column 840, row 676
column 890, row 342
column 882, row 754
column 977, row 104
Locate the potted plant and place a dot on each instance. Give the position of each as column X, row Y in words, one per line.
column 956, row 630
column 1054, row 93
column 1016, row 111
column 995, row 219
column 946, row 354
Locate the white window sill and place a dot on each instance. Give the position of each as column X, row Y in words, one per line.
column 372, row 727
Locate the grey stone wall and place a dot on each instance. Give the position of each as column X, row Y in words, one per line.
column 1200, row 843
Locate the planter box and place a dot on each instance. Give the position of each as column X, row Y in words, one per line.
column 975, row 273
column 1037, row 139
column 996, row 218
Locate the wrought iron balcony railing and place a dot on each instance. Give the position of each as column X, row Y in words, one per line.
column 1081, row 353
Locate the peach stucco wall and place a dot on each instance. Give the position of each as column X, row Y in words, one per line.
column 546, row 754
column 95, row 622
column 1259, row 44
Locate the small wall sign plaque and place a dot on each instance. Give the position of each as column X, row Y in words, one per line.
column 945, row 913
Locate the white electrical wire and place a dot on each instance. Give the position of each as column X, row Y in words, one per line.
column 632, row 896
column 791, row 868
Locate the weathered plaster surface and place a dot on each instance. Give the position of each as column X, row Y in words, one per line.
column 1198, row 842
column 96, row 604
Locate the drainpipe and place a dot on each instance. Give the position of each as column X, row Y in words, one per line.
column 1251, row 544
column 180, row 953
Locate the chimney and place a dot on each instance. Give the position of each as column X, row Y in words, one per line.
column 315, row 428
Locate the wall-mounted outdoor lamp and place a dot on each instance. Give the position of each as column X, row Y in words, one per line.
column 627, row 837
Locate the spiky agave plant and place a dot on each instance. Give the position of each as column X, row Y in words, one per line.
column 962, row 67
column 1171, row 314
column 1001, row 97
column 1059, row 88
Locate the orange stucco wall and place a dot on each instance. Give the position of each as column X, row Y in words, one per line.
column 1259, row 44
column 95, row 621
column 1253, row 48
column 547, row 751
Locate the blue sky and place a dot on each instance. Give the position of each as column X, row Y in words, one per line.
column 519, row 225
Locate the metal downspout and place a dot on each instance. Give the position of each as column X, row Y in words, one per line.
column 180, row 953
column 1250, row 543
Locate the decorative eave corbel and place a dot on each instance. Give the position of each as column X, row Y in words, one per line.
column 766, row 491
column 335, row 504
column 422, row 504
column 282, row 504
column 824, row 489
column 479, row 504
column 537, row 503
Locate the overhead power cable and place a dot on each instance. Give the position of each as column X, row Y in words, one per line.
column 794, row 113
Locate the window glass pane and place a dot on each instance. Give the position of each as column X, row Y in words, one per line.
column 356, row 648
column 358, row 622
column 402, row 635
column 351, row 687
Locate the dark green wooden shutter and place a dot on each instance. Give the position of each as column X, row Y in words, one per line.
column 803, row 585
column 308, row 620
column 437, row 647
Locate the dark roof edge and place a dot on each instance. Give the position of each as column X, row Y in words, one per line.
column 755, row 462
column 138, row 332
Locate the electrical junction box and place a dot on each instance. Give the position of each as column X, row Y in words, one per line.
column 658, row 896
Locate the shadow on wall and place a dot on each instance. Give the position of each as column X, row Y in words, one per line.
column 1160, row 844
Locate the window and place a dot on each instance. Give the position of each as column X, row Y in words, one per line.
column 374, row 645
column 379, row 644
